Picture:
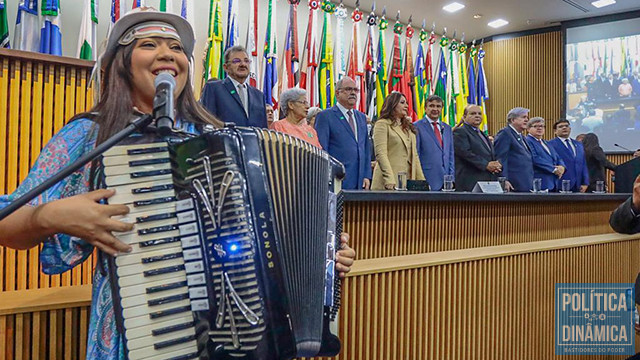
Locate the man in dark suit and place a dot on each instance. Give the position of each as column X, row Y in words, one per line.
column 513, row 152
column 233, row 99
column 572, row 154
column 434, row 140
column 474, row 157
column 342, row 132
column 626, row 218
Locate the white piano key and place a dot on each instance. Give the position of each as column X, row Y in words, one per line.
column 124, row 179
column 126, row 169
column 123, row 149
column 140, row 289
column 134, row 238
column 145, row 320
column 149, row 341
column 125, row 159
column 149, row 353
column 135, row 269
column 132, row 301
column 136, row 257
column 129, row 198
column 144, row 310
column 146, row 330
column 137, row 279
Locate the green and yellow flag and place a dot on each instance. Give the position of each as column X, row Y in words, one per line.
column 215, row 44
column 326, row 85
column 381, row 81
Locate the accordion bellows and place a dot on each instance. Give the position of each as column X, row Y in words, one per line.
column 234, row 246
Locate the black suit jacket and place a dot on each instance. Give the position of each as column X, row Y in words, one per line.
column 623, row 221
column 596, row 163
column 471, row 157
column 221, row 98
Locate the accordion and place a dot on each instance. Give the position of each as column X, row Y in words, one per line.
column 234, row 246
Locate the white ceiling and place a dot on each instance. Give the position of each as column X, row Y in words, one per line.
column 521, row 14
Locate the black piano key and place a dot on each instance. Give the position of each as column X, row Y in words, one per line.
column 148, row 162
column 161, row 271
column 167, row 240
column 165, row 287
column 168, row 299
column 180, row 340
column 141, row 174
column 178, row 310
column 150, row 150
column 158, row 229
column 172, row 328
column 149, row 189
column 144, row 219
column 152, row 259
column 154, row 201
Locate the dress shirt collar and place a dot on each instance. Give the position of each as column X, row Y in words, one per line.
column 236, row 82
column 514, row 130
column 344, row 110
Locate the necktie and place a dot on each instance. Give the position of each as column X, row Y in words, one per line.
column 570, row 146
column 436, row 130
column 484, row 139
column 544, row 146
column 352, row 123
column 524, row 143
column 241, row 93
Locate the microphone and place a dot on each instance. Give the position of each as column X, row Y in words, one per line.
column 622, row 147
column 163, row 103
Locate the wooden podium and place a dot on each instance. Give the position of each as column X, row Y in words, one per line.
column 626, row 174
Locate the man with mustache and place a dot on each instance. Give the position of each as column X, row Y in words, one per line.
column 233, row 99
column 342, row 132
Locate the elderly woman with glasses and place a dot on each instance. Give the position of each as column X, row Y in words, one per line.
column 294, row 106
column 547, row 164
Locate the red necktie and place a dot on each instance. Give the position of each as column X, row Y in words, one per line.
column 436, row 130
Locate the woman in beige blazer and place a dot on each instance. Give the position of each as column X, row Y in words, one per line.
column 394, row 140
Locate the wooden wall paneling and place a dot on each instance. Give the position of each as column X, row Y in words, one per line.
column 48, row 108
column 59, row 104
column 4, row 98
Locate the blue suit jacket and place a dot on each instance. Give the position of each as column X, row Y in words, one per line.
column 437, row 161
column 517, row 165
column 576, row 167
column 221, row 98
column 544, row 164
column 337, row 138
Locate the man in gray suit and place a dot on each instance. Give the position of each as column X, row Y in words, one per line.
column 474, row 156
column 626, row 218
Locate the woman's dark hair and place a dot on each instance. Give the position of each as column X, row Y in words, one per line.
column 590, row 142
column 114, row 109
column 388, row 107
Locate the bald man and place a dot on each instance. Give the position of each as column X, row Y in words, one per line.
column 474, row 156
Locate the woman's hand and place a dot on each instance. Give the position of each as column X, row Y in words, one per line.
column 345, row 256
column 389, row 186
column 82, row 216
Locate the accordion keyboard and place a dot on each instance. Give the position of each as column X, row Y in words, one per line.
column 161, row 282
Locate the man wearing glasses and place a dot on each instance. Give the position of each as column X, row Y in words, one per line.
column 233, row 99
column 342, row 131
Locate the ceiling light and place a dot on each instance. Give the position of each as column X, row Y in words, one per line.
column 454, row 6
column 603, row 3
column 498, row 23
column 477, row 16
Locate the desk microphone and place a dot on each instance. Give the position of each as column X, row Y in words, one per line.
column 163, row 103
column 622, row 147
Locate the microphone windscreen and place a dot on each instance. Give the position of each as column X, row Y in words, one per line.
column 164, row 77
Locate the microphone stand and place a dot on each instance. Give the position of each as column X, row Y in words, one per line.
column 135, row 125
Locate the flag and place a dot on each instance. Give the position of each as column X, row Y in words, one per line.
column 233, row 35
column 289, row 66
column 88, row 30
column 118, row 9
column 186, row 11
column 441, row 81
column 407, row 83
column 482, row 91
column 270, row 76
column 339, row 55
column 213, row 58
column 471, row 80
column 4, row 26
column 428, row 65
column 26, row 36
column 309, row 65
column 463, row 93
column 166, row 6
column 395, row 72
column 420, row 77
column 355, row 68
column 50, row 35
column 370, row 68
column 381, row 71
column 326, row 86
column 453, row 76
column 252, row 42
column 137, row 4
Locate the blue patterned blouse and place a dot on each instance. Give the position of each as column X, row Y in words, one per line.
column 62, row 252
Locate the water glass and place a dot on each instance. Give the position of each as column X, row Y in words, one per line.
column 566, row 186
column 503, row 183
column 402, row 181
column 600, row 187
column 537, row 185
column 448, row 183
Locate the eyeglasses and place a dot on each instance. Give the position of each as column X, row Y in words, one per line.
column 302, row 102
column 350, row 89
column 538, row 127
column 238, row 61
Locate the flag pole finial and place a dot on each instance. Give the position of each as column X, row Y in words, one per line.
column 462, row 38
column 398, row 16
column 384, row 10
column 454, row 34
column 410, row 18
column 357, row 4
column 424, row 23
column 373, row 7
column 433, row 27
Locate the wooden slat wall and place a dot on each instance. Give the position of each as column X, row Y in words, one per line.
column 38, row 94
column 524, row 71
